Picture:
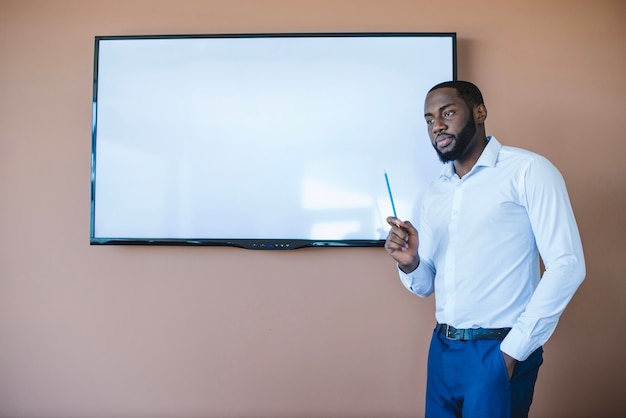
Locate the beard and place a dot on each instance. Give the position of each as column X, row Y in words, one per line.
column 461, row 142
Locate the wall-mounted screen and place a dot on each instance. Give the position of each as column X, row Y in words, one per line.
column 262, row 141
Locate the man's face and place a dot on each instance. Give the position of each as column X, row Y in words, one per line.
column 450, row 122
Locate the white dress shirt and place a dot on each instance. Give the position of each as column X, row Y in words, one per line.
column 480, row 237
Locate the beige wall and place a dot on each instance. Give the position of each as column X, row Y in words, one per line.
column 219, row 332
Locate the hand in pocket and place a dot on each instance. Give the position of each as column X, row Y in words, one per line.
column 510, row 364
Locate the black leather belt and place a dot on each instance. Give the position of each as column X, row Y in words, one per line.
column 469, row 334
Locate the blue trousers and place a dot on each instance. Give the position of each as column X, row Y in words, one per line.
column 469, row 379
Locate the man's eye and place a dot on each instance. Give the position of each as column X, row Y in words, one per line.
column 429, row 121
column 448, row 113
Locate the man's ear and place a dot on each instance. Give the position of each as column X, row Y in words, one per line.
column 480, row 113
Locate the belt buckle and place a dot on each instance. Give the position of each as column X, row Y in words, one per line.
column 446, row 332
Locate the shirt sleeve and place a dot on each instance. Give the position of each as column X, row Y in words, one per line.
column 545, row 196
column 420, row 281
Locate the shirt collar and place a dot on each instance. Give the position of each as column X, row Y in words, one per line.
column 488, row 158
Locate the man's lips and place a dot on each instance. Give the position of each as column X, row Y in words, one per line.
column 443, row 141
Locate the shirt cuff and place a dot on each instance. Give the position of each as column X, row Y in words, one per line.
column 518, row 345
column 419, row 281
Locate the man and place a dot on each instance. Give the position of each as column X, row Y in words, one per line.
column 484, row 222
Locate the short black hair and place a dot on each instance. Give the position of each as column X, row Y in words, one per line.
column 467, row 91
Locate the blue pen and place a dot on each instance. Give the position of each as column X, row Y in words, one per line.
column 393, row 207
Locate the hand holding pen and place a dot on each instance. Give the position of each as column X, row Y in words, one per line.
column 402, row 241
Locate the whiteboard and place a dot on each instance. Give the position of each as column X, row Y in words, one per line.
column 261, row 141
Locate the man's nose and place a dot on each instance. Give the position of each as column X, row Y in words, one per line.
column 438, row 126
